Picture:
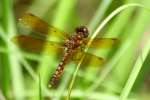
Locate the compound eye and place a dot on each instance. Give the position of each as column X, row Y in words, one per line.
column 83, row 31
column 78, row 29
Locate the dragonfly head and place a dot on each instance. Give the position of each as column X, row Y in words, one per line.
column 82, row 31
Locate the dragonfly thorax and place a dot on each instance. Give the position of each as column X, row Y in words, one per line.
column 74, row 41
column 77, row 39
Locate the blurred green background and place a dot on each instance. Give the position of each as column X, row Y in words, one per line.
column 124, row 76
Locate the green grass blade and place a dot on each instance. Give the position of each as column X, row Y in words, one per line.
column 40, row 90
column 94, row 35
column 133, row 37
column 135, row 71
column 16, row 71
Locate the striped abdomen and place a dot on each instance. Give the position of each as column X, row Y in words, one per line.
column 60, row 67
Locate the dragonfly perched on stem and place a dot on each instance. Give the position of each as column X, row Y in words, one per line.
column 72, row 45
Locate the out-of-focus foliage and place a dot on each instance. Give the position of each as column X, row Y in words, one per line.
column 124, row 73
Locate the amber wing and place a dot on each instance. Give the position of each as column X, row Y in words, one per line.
column 36, row 45
column 40, row 27
column 102, row 42
column 90, row 60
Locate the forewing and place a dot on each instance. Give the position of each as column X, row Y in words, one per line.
column 40, row 27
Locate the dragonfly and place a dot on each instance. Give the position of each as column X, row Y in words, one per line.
column 71, row 45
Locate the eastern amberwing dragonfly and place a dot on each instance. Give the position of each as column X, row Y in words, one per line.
column 72, row 45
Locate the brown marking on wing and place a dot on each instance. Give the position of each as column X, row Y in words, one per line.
column 40, row 26
column 36, row 45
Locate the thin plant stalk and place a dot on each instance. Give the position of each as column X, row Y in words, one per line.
column 107, row 19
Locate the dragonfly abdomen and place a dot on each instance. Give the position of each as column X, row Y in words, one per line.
column 60, row 67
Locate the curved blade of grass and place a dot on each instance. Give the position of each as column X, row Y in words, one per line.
column 95, row 34
column 143, row 75
column 124, row 66
column 134, row 73
column 121, row 20
column 111, row 64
